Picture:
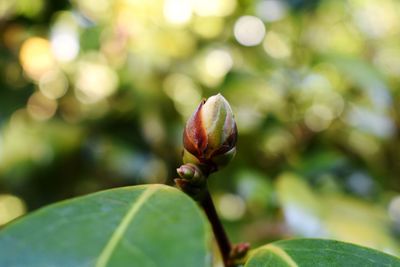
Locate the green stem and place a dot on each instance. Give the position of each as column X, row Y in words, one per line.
column 222, row 239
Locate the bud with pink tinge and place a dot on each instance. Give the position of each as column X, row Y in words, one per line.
column 210, row 135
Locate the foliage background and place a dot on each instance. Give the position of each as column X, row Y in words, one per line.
column 94, row 95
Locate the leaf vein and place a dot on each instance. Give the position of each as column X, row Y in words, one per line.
column 281, row 254
column 109, row 248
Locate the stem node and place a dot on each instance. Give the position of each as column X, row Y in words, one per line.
column 198, row 190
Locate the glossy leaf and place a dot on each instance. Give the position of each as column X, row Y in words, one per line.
column 152, row 225
column 318, row 252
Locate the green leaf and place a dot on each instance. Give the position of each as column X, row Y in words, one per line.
column 318, row 252
column 151, row 225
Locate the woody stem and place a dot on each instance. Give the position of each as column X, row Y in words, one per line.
column 222, row 239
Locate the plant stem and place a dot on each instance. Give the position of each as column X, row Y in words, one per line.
column 219, row 232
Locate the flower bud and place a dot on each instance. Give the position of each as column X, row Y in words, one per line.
column 190, row 172
column 210, row 134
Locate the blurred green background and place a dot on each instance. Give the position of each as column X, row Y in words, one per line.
column 94, row 94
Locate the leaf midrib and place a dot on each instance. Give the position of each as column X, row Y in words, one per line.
column 112, row 243
column 278, row 251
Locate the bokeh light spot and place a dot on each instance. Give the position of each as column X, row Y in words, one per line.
column 318, row 117
column 183, row 91
column 64, row 44
column 208, row 27
column 40, row 107
column 177, row 11
column 36, row 57
column 231, row 207
column 249, row 30
column 275, row 46
column 271, row 10
column 53, row 84
column 94, row 82
column 219, row 8
column 279, row 142
column 218, row 63
column 11, row 207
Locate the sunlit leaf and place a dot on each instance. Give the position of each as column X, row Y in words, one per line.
column 151, row 225
column 318, row 252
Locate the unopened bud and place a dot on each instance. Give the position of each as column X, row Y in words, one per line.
column 210, row 134
column 190, row 172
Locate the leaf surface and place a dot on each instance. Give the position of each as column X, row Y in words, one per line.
column 146, row 226
column 318, row 253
